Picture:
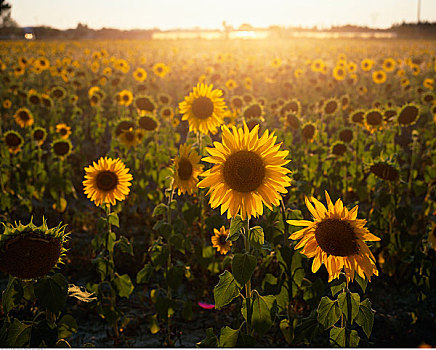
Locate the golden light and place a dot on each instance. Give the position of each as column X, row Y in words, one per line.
column 28, row 36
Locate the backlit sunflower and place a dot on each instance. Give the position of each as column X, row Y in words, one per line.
column 336, row 239
column 23, row 117
column 161, row 69
column 186, row 170
column 373, row 120
column 219, row 240
column 39, row 135
column 389, row 64
column 308, row 132
column 408, row 114
column 107, row 181
column 204, row 109
column 13, row 141
column 63, row 130
column 379, row 77
column 366, row 64
column 148, row 122
column 62, row 147
column 339, row 73
column 125, row 98
column 247, row 172
column 140, row 74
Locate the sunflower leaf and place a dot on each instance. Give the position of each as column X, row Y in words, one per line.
column 338, row 284
column 18, row 334
column 243, row 266
column 362, row 282
column 210, row 341
column 52, row 292
column 365, row 317
column 123, row 285
column 226, row 290
column 338, row 338
column 328, row 312
column 160, row 209
column 12, row 295
column 349, row 305
column 257, row 236
column 228, row 337
column 114, row 220
column 261, row 318
column 235, row 228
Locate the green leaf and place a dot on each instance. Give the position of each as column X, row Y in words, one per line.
column 52, row 292
column 124, row 245
column 245, row 341
column 261, row 316
column 12, row 295
column 114, row 220
column 257, row 237
column 363, row 282
column 123, row 285
column 243, row 266
column 365, row 317
column 235, row 228
column 67, row 326
column 174, row 277
column 160, row 209
column 337, row 337
column 328, row 312
column 350, row 307
column 228, row 337
column 338, row 284
column 226, row 290
column 164, row 228
column 144, row 274
column 211, row 341
column 18, row 334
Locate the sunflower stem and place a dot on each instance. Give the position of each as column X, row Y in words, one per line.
column 169, row 263
column 248, row 284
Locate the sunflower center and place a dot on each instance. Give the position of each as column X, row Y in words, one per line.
column 24, row 116
column 185, row 169
column 202, row 107
column 106, row 180
column 61, row 148
column 63, row 131
column 38, row 135
column 244, row 171
column 13, row 140
column 222, row 239
column 336, row 237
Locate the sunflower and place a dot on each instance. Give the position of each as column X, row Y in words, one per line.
column 219, row 240
column 389, row 115
column 145, row 104
column 106, row 181
column 231, row 84
column 291, row 106
column 339, row 73
column 13, row 140
column 39, row 135
column 254, row 110
column 204, row 109
column 128, row 138
column 338, row 148
column 140, row 74
column 385, row 170
column 428, row 83
column 336, row 238
column 186, row 170
column 292, row 121
column 308, row 132
column 389, row 64
column 247, row 173
column 167, row 112
column 62, row 147
column 58, row 93
column 30, row 251
column 23, row 117
column 161, row 69
column 148, row 122
column 373, row 120
column 379, row 77
column 408, row 115
column 330, row 106
column 164, row 99
column 346, row 135
column 33, row 98
column 125, row 98
column 7, row 104
column 63, row 130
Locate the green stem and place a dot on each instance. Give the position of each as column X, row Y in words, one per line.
column 248, row 284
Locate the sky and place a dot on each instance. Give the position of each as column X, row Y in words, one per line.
column 170, row 14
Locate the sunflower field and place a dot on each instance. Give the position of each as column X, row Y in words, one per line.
column 218, row 193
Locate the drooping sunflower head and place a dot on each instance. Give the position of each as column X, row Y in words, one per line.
column 107, row 181
column 39, row 135
column 293, row 121
column 338, row 148
column 254, row 110
column 58, row 93
column 384, row 168
column 204, row 109
column 145, row 104
column 63, row 130
column 186, row 169
column 358, row 117
column 390, row 114
column 408, row 114
column 148, row 122
column 373, row 120
column 30, row 251
column 23, row 117
column 13, row 141
column 219, row 240
column 346, row 135
column 62, row 147
column 291, row 106
column 308, row 132
column 336, row 238
column 123, row 124
column 248, row 172
column 331, row 106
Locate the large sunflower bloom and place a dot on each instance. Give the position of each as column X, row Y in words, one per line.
column 204, row 109
column 107, row 181
column 336, row 238
column 187, row 169
column 247, row 173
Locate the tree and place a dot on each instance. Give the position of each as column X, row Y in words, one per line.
column 5, row 14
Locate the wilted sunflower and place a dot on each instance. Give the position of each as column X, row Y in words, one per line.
column 39, row 135
column 204, row 109
column 63, row 130
column 107, row 181
column 186, row 170
column 62, row 147
column 379, row 77
column 247, row 173
column 29, row 251
column 219, row 240
column 23, row 117
column 336, row 238
column 408, row 114
column 148, row 122
column 13, row 141
column 308, row 132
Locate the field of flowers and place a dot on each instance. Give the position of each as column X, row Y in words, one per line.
column 218, row 193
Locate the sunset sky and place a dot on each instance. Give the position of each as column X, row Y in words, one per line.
column 168, row 14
